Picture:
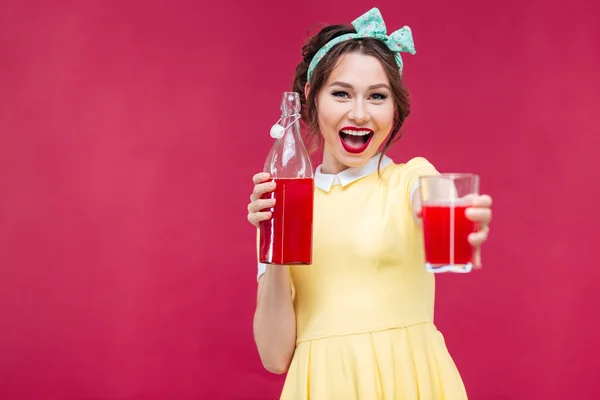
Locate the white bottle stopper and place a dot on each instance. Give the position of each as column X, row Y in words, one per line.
column 277, row 131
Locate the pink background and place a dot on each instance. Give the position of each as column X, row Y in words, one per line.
column 129, row 132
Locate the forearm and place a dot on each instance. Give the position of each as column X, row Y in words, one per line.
column 275, row 320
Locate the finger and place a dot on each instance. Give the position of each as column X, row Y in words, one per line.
column 256, row 218
column 261, row 189
column 482, row 201
column 260, row 204
column 468, row 199
column 260, row 177
column 477, row 258
column 479, row 214
column 478, row 238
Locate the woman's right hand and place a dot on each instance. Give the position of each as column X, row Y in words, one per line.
column 257, row 203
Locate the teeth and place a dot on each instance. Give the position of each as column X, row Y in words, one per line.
column 356, row 133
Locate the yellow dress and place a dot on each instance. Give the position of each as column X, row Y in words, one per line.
column 364, row 308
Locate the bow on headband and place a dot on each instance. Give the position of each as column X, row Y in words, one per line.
column 371, row 25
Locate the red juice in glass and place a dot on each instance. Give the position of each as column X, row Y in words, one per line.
column 446, row 230
column 286, row 239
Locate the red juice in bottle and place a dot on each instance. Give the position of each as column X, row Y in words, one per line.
column 286, row 239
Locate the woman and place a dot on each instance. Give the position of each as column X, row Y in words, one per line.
column 358, row 323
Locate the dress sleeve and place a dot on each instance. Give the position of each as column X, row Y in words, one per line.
column 416, row 168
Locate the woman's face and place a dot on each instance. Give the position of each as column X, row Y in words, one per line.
column 355, row 112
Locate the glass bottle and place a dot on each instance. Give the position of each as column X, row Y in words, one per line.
column 286, row 238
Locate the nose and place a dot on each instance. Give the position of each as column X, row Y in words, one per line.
column 359, row 112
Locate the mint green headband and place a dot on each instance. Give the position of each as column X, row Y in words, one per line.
column 370, row 25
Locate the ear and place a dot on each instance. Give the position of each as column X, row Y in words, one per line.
column 306, row 90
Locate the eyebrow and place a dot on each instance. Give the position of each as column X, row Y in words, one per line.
column 349, row 86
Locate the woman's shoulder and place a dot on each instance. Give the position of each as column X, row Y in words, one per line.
column 415, row 163
column 414, row 166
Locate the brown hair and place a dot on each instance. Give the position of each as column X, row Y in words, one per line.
column 367, row 46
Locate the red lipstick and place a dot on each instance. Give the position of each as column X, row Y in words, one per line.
column 355, row 143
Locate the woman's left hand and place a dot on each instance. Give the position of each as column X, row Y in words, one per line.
column 479, row 212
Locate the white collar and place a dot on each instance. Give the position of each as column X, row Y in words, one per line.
column 347, row 176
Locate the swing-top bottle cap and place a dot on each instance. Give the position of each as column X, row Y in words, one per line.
column 290, row 105
column 277, row 131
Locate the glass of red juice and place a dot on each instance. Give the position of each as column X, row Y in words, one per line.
column 446, row 228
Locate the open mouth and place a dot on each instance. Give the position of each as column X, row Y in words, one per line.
column 355, row 140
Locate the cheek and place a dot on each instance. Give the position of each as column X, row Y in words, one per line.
column 384, row 118
column 328, row 118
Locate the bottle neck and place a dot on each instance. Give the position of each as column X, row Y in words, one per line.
column 289, row 157
column 291, row 124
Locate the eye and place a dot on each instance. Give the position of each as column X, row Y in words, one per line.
column 340, row 93
column 378, row 96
